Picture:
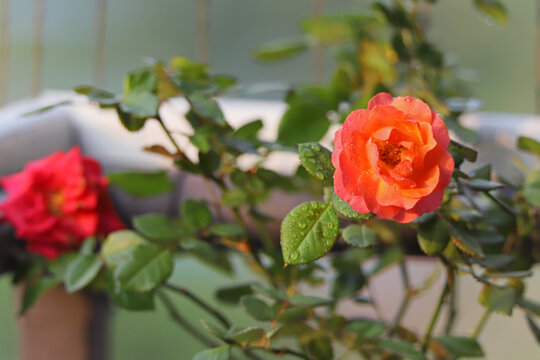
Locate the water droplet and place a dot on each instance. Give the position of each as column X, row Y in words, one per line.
column 294, row 255
column 302, row 225
column 319, row 175
column 330, row 225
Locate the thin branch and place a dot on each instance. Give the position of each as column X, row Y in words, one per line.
column 435, row 317
column 502, row 205
column 481, row 323
column 452, row 309
column 184, row 323
column 201, row 303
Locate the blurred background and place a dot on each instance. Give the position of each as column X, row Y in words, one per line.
column 57, row 44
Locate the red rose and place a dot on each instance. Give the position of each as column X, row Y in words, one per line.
column 391, row 159
column 58, row 201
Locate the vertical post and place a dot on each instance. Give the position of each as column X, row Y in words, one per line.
column 36, row 70
column 203, row 31
column 317, row 52
column 101, row 44
column 537, row 60
column 4, row 51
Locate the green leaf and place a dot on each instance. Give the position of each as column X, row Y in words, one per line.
column 311, row 301
column 129, row 300
column 234, row 197
column 252, row 337
column 294, row 315
column 462, row 150
column 214, row 329
column 196, row 213
column 460, row 345
column 119, row 246
column 305, row 119
column 494, row 9
column 209, row 162
column 33, row 291
column 142, row 184
column 102, row 97
column 498, row 299
column 495, row 261
column 140, row 80
column 280, row 50
column 201, row 139
column 270, row 292
column 257, row 308
column 188, row 68
column 465, row 240
column 347, row 211
column 207, row 253
column 483, row 172
column 359, row 235
column 531, row 188
column 433, row 236
column 250, row 130
column 218, row 353
column 366, row 328
column 140, row 104
column 308, row 232
column 159, row 228
column 223, row 82
column 129, row 120
column 232, row 294
column 347, row 283
column 528, row 144
column 207, row 108
column 320, row 348
column 484, row 185
column 318, row 161
column 149, row 266
column 59, row 266
column 401, row 348
column 227, row 230
column 82, row 271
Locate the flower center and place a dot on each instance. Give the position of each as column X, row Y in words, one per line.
column 390, row 154
column 55, row 201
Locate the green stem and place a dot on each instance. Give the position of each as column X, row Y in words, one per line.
column 197, row 300
column 502, row 205
column 452, row 308
column 168, row 133
column 435, row 317
column 481, row 324
column 180, row 320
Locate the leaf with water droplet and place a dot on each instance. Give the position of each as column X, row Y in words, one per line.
column 347, row 211
column 302, row 244
column 318, row 161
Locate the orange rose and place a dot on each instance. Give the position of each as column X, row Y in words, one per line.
column 391, row 159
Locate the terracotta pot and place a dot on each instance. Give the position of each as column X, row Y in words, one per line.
column 62, row 326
